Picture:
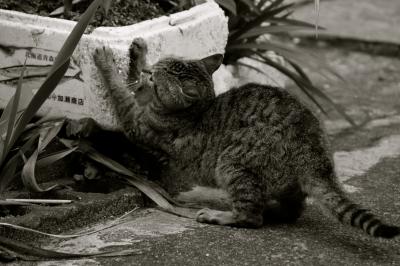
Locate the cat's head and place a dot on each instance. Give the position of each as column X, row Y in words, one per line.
column 177, row 84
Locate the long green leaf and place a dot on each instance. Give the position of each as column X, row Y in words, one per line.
column 301, row 72
column 12, row 115
column 229, row 5
column 58, row 69
column 304, row 83
column 274, row 3
column 259, row 31
column 300, row 56
column 142, row 185
column 294, row 22
column 7, row 172
column 28, row 175
column 251, row 67
column 39, row 98
column 46, row 136
column 266, row 14
column 73, row 38
column 54, row 157
column 251, row 5
column 28, row 171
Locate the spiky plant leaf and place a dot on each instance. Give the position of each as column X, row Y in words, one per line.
column 229, row 5
column 58, row 69
column 251, row 5
column 28, row 171
column 8, row 171
column 305, row 84
column 54, row 157
column 143, row 185
column 261, row 30
column 12, row 115
column 297, row 55
column 39, row 98
column 266, row 14
column 294, row 22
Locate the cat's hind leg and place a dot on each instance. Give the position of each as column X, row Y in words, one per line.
column 246, row 194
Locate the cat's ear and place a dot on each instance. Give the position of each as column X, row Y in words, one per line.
column 212, row 62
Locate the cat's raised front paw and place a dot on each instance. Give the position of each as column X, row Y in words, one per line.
column 103, row 57
column 138, row 49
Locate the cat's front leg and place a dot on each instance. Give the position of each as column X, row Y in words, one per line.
column 137, row 60
column 105, row 62
column 123, row 101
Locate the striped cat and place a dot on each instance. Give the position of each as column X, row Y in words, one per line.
column 255, row 149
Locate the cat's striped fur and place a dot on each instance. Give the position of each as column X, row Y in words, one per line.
column 257, row 143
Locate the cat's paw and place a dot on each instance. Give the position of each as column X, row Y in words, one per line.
column 103, row 57
column 82, row 128
column 138, row 49
column 210, row 216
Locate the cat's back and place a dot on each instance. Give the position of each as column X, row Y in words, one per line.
column 255, row 105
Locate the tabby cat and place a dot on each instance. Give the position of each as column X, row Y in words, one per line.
column 256, row 147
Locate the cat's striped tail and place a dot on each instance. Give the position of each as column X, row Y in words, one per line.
column 352, row 214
